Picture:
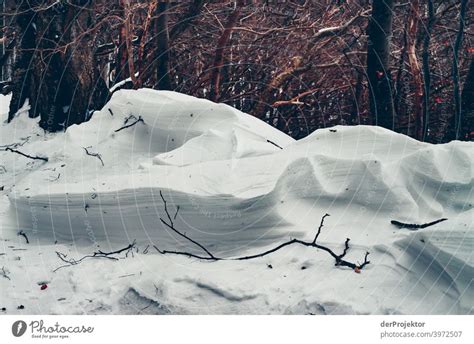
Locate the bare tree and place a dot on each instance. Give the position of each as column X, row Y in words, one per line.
column 455, row 127
column 162, row 47
column 378, row 63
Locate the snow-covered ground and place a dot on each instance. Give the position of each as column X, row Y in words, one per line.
column 238, row 187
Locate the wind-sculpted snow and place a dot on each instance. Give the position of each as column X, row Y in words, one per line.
column 237, row 185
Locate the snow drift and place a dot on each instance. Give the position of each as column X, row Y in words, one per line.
column 240, row 184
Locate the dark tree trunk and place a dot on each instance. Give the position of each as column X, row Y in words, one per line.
column 62, row 83
column 467, row 103
column 219, row 57
column 417, row 78
column 454, row 128
column 426, row 67
column 187, row 19
column 121, row 60
column 22, row 69
column 162, row 47
column 378, row 61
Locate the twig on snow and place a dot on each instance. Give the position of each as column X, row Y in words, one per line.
column 8, row 149
column 273, row 143
column 413, row 226
column 23, row 234
column 170, row 225
column 95, row 155
column 209, row 256
column 5, row 274
column 97, row 254
column 139, row 119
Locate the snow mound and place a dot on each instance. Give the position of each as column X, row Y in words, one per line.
column 236, row 185
column 224, row 171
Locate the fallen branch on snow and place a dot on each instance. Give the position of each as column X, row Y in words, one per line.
column 23, row 234
column 5, row 274
column 273, row 143
column 209, row 256
column 413, row 226
column 139, row 119
column 96, row 155
column 98, row 254
column 8, row 149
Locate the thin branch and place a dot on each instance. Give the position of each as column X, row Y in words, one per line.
column 139, row 119
column 5, row 274
column 273, row 143
column 8, row 149
column 320, row 227
column 96, row 155
column 23, row 234
column 413, row 226
column 346, row 248
column 338, row 258
column 170, row 225
column 97, row 254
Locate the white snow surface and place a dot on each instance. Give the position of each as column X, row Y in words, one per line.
column 241, row 187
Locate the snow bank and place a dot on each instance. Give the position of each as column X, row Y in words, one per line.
column 241, row 184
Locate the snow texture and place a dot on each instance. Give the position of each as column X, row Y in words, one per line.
column 241, row 187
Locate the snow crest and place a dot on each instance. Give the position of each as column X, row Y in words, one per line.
column 235, row 185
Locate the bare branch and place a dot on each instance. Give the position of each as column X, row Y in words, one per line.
column 170, row 225
column 96, row 155
column 415, row 226
column 139, row 119
column 23, row 234
column 320, row 227
column 97, row 254
column 338, row 258
column 8, row 149
column 273, row 143
column 4, row 273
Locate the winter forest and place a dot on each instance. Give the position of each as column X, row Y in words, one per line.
column 298, row 65
column 237, row 157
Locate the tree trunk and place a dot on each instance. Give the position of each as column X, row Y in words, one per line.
column 162, row 47
column 378, row 61
column 221, row 47
column 454, row 129
column 121, row 60
column 21, row 79
column 62, row 82
column 141, row 58
column 127, row 27
column 467, row 103
column 415, row 68
column 426, row 67
column 184, row 22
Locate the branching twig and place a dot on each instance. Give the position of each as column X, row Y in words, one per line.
column 98, row 254
column 96, row 155
column 413, row 226
column 338, row 258
column 170, row 225
column 8, row 149
column 139, row 119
